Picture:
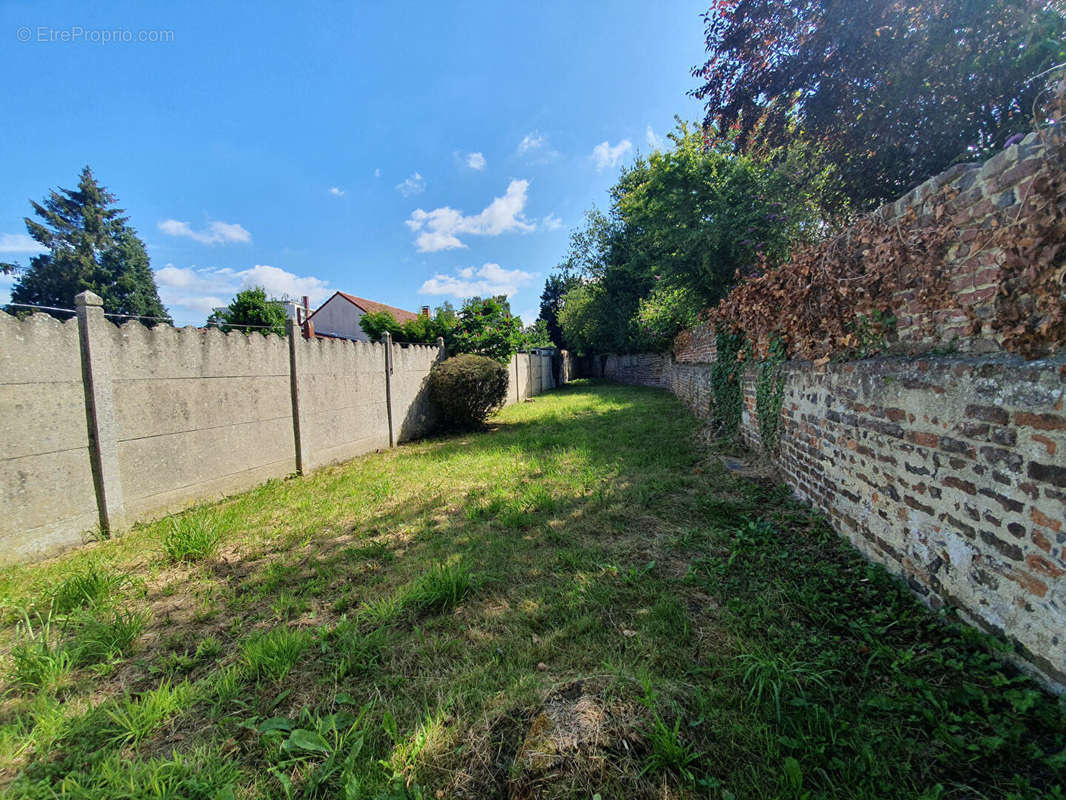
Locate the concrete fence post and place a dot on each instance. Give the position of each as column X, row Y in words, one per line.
column 386, row 339
column 95, row 341
column 295, row 374
column 517, row 389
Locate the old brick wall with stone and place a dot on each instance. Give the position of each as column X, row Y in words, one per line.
column 983, row 195
column 950, row 472
column 944, row 460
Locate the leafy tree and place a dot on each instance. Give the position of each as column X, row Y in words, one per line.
column 665, row 312
column 421, row 330
column 446, row 318
column 536, row 335
column 891, row 92
column 376, row 324
column 682, row 224
column 580, row 320
column 694, row 216
column 557, row 285
column 487, row 328
column 91, row 247
column 251, row 312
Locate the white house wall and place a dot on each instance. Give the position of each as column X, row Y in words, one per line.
column 338, row 317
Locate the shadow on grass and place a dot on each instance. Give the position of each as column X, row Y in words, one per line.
column 603, row 553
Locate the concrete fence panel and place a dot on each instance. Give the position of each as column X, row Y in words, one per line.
column 46, row 481
column 199, row 414
column 103, row 425
column 413, row 414
column 342, row 400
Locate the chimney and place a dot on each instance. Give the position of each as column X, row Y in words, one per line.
column 425, row 311
column 308, row 327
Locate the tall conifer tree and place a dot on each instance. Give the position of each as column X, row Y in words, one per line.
column 90, row 246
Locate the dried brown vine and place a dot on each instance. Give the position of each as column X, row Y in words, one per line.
column 832, row 294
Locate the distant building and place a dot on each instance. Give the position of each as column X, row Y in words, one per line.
column 339, row 316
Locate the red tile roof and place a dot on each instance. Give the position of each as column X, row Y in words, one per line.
column 370, row 306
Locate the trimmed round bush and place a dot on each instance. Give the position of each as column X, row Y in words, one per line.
column 467, row 388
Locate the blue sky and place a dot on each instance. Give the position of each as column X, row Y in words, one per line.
column 404, row 152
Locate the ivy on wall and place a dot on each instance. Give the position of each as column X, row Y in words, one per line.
column 726, row 390
column 769, row 395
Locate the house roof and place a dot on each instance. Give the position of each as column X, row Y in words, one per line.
column 371, row 306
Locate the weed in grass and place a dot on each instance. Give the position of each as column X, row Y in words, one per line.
column 131, row 720
column 286, row 606
column 406, row 750
column 203, row 774
column 773, row 675
column 273, row 654
column 539, row 499
column 100, row 639
column 91, row 586
column 51, row 722
column 208, row 649
column 635, row 575
column 358, row 653
column 325, row 752
column 192, row 537
column 441, row 587
column 225, row 687
column 384, row 610
column 754, row 542
column 669, row 751
column 38, row 660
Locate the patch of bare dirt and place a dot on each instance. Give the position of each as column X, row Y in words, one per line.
column 580, row 741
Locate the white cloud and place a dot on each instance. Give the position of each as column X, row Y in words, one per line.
column 551, row 223
column 531, row 141
column 488, row 280
column 191, row 293
column 278, row 282
column 439, row 229
column 377, row 172
column 654, row 142
column 607, row 156
column 214, row 233
column 476, row 161
column 20, row 243
column 336, row 191
column 535, row 149
column 415, row 184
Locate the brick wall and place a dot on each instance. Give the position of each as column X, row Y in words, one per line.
column 950, row 470
column 695, row 346
column 988, row 195
column 977, row 199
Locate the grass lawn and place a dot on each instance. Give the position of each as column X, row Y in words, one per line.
column 580, row 603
